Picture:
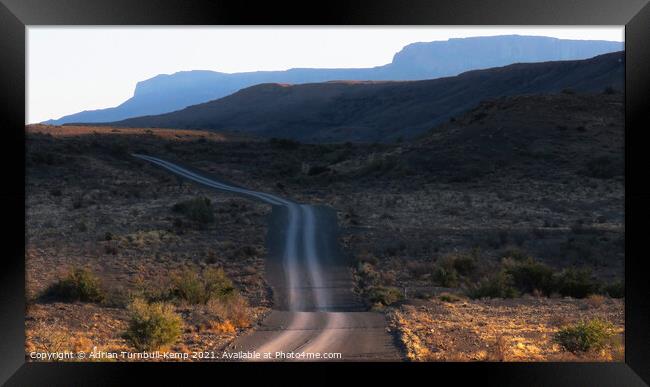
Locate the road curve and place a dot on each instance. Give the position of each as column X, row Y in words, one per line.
column 316, row 313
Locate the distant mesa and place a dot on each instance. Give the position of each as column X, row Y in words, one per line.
column 166, row 93
column 382, row 111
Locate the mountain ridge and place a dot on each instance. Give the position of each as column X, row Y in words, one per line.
column 381, row 111
column 421, row 60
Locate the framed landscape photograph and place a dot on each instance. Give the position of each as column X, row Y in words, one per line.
column 383, row 189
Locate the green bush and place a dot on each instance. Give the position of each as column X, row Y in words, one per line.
column 496, row 286
column 615, row 290
column 152, row 326
column 78, row 285
column 384, row 295
column 368, row 275
column 189, row 286
column 465, row 264
column 449, row 297
column 529, row 275
column 418, row 269
column 576, row 283
column 448, row 270
column 585, row 336
column 198, row 210
column 445, row 276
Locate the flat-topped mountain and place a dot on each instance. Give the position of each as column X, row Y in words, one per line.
column 382, row 111
column 165, row 93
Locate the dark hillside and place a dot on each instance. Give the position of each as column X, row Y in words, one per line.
column 382, row 111
column 543, row 136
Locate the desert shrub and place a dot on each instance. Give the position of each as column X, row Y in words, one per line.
column 465, row 264
column 198, row 210
column 384, row 295
column 445, row 276
column 447, row 271
column 368, row 275
column 529, row 275
column 152, row 326
column 118, row 297
column 234, row 309
column 388, row 277
column 79, row 285
column 418, row 269
column 575, row 283
column 595, row 300
column 615, row 289
column 211, row 256
column 238, row 311
column 189, row 286
column 498, row 285
column 585, row 336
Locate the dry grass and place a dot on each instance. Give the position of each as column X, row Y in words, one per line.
column 129, row 242
column 500, row 330
column 168, row 134
column 595, row 300
column 49, row 337
column 500, row 349
column 404, row 226
column 57, row 327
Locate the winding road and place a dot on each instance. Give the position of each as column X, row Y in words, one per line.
column 316, row 314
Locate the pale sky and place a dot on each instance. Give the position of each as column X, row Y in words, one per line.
column 70, row 69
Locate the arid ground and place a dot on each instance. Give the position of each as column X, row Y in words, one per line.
column 481, row 240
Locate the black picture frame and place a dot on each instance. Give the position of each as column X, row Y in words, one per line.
column 15, row 15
